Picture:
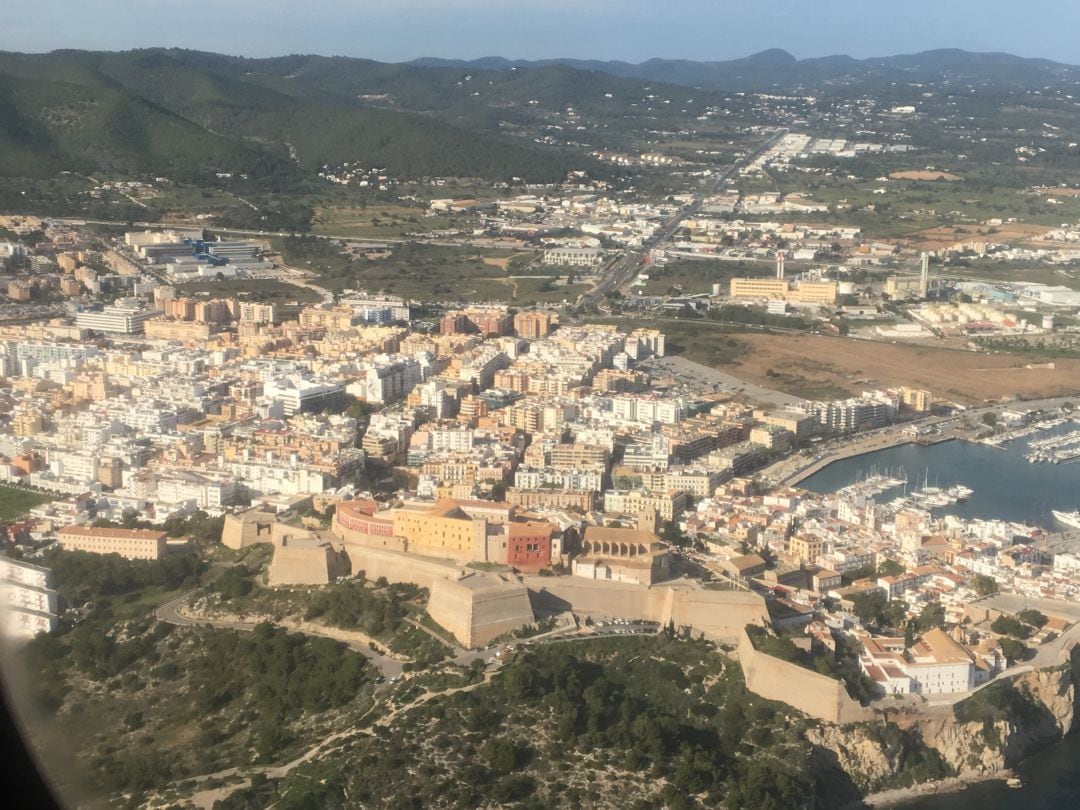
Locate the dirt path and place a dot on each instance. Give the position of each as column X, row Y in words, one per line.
column 204, row 799
column 427, row 695
column 174, row 612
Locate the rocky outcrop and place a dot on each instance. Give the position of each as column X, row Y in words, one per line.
column 978, row 739
column 852, row 749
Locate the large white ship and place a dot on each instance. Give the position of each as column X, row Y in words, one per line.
column 1071, row 519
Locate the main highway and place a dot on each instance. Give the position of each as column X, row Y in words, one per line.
column 617, row 274
column 626, row 268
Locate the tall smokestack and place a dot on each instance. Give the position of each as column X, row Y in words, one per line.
column 924, row 278
column 780, row 265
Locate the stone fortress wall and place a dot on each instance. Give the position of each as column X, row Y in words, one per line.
column 719, row 615
column 476, row 607
column 810, row 692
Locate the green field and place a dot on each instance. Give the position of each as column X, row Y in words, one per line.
column 376, row 221
column 689, row 276
column 16, row 502
column 910, row 206
column 1018, row 271
column 429, row 272
column 709, row 343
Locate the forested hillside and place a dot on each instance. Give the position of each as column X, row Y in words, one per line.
column 156, row 112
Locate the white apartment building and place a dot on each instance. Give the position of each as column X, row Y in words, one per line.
column 205, row 493
column 73, row 465
column 635, row 501
column 386, row 379
column 297, row 394
column 847, row 559
column 255, row 312
column 574, row 257
column 575, row 480
column 55, row 352
column 269, row 478
column 647, row 410
column 149, row 417
column 126, row 317
column 457, row 441
column 698, row 483
column 1066, row 563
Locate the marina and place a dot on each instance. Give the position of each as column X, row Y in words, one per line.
column 932, row 498
column 1055, row 449
column 873, row 485
column 1003, row 485
column 1000, row 439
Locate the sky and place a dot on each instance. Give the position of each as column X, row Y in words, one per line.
column 631, row 30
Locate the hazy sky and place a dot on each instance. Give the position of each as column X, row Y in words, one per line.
column 634, row 30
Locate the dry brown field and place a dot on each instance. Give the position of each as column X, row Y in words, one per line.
column 1053, row 191
column 1006, row 232
column 857, row 365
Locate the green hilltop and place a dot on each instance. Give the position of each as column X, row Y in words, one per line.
column 188, row 115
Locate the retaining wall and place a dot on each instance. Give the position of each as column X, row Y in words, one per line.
column 810, row 692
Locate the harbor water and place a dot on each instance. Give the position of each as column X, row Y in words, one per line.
column 1007, row 486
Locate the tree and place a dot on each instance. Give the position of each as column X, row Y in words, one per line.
column 891, row 568
column 868, row 607
column 1010, row 626
column 672, row 535
column 931, row 616
column 1014, row 650
column 984, row 585
column 895, row 613
column 865, row 572
column 1032, row 617
column 875, row 610
column 989, row 418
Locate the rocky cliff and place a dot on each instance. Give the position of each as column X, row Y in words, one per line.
column 991, row 731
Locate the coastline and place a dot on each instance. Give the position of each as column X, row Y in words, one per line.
column 796, row 478
column 896, row 797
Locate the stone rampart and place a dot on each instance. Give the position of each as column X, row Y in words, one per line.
column 475, row 607
column 396, row 566
column 478, row 608
column 247, row 528
column 720, row 615
column 810, row 692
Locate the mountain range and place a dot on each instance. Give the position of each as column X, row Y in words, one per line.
column 778, row 66
column 190, row 114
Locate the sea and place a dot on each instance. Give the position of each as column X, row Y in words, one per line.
column 1007, row 487
column 1051, row 782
